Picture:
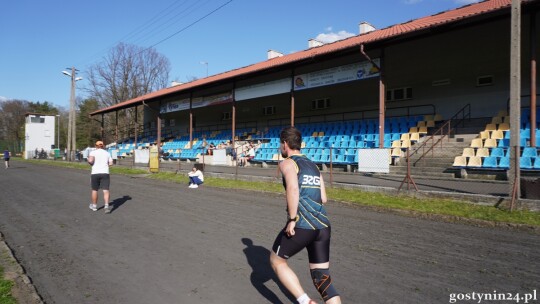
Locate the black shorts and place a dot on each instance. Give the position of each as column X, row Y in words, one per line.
column 100, row 180
column 317, row 243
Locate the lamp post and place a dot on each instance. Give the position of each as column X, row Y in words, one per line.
column 58, row 133
column 72, row 138
column 205, row 63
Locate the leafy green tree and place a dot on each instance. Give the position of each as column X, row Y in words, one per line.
column 12, row 119
column 43, row 108
column 88, row 128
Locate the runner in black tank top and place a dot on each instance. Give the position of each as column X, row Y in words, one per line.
column 307, row 223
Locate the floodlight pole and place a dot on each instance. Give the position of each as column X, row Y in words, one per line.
column 515, row 100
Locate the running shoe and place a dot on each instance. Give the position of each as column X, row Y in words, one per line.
column 195, row 186
column 107, row 209
column 93, row 207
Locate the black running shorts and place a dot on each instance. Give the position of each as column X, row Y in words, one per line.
column 100, row 180
column 317, row 243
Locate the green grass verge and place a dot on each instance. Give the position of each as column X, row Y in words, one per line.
column 5, row 289
column 434, row 206
column 422, row 205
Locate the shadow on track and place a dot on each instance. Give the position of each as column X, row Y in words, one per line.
column 119, row 202
column 258, row 258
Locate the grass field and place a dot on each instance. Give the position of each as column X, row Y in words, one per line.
column 5, row 289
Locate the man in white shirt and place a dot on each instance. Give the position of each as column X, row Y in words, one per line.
column 100, row 161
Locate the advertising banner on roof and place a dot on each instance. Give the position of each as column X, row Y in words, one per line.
column 344, row 73
column 269, row 88
column 174, row 106
column 198, row 102
column 212, row 100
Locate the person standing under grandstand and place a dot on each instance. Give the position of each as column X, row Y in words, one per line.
column 307, row 222
column 6, row 157
column 101, row 161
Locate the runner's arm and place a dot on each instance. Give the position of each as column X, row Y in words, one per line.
column 288, row 170
column 323, row 191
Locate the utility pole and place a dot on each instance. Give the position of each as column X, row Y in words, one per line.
column 73, row 115
column 515, row 98
column 72, row 132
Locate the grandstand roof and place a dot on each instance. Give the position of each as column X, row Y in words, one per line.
column 394, row 31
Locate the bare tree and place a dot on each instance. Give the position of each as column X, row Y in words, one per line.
column 127, row 72
column 12, row 115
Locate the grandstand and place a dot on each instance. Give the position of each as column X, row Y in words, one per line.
column 444, row 106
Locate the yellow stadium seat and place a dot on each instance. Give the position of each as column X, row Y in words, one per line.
column 460, row 161
column 490, row 143
column 421, row 124
column 413, row 130
column 504, row 126
column 468, row 152
column 477, row 143
column 428, row 117
column 491, row 127
column 484, row 134
column 430, row 123
column 475, row 161
column 414, row 136
column 438, row 117
column 405, row 136
column 396, row 144
column 321, row 134
column 315, row 134
column 405, row 143
column 422, row 130
column 482, row 152
column 506, row 119
column 497, row 134
column 396, row 152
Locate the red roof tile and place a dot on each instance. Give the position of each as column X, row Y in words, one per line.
column 445, row 17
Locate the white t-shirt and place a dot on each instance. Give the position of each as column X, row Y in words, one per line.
column 198, row 174
column 102, row 159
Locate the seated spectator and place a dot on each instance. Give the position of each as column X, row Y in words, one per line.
column 196, row 178
column 248, row 156
column 210, row 150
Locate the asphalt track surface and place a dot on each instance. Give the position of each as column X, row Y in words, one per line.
column 165, row 243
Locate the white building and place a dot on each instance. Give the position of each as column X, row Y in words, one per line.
column 39, row 133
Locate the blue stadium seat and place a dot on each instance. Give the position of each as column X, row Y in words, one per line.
column 525, row 133
column 504, row 162
column 525, row 163
column 504, row 143
column 497, row 152
column 529, row 152
column 536, row 163
column 490, row 162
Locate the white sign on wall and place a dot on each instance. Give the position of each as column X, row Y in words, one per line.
column 269, row 88
column 344, row 73
column 174, row 106
column 374, row 160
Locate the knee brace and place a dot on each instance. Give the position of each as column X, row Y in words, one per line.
column 323, row 283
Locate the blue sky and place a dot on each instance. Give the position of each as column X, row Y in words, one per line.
column 39, row 39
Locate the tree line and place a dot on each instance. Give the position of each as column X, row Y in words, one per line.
column 128, row 71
